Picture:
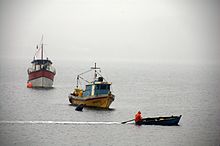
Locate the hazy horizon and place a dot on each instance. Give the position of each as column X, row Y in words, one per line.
column 133, row 30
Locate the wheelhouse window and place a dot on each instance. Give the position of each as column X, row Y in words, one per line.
column 103, row 87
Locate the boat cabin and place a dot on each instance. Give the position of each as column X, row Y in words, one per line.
column 97, row 88
column 41, row 64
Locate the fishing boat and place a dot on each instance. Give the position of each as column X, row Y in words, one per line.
column 41, row 73
column 97, row 93
column 166, row 121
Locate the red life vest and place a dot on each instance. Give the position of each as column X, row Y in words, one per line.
column 138, row 117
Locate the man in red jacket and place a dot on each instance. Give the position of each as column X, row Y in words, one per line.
column 138, row 118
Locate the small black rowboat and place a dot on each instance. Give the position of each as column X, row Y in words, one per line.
column 166, row 121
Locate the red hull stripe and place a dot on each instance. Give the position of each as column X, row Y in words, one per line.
column 41, row 73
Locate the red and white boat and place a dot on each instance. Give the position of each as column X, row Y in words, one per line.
column 41, row 73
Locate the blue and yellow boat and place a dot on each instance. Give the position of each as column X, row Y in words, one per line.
column 97, row 93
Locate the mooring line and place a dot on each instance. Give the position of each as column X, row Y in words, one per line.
column 59, row 122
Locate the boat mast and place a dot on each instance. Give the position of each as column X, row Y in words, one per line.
column 95, row 72
column 95, row 68
column 42, row 48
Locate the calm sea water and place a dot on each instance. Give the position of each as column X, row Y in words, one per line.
column 155, row 89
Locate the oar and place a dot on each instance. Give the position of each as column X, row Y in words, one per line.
column 127, row 121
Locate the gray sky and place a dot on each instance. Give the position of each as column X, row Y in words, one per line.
column 135, row 30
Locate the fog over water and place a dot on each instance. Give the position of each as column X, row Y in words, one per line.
column 162, row 57
column 134, row 30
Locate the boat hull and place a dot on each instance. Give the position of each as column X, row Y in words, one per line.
column 166, row 121
column 41, row 78
column 103, row 101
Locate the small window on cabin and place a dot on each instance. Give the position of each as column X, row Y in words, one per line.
column 88, row 87
column 97, row 87
column 108, row 87
column 103, row 87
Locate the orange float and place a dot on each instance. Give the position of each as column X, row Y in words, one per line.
column 29, row 85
